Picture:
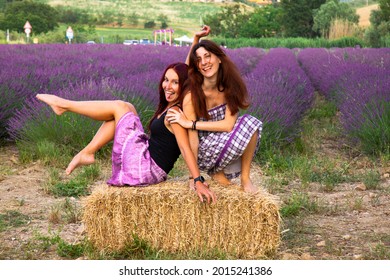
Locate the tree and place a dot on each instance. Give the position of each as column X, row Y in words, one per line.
column 133, row 18
column 384, row 8
column 70, row 15
column 264, row 22
column 228, row 22
column 42, row 17
column 379, row 30
column 330, row 11
column 163, row 19
column 297, row 17
column 3, row 3
column 150, row 24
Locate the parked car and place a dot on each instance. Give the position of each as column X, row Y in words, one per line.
column 130, row 42
column 144, row 41
column 91, row 42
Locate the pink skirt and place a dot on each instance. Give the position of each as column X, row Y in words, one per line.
column 132, row 164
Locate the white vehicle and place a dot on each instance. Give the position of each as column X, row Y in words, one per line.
column 130, row 42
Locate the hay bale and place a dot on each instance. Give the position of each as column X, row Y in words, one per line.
column 170, row 217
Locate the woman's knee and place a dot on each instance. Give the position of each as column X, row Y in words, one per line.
column 125, row 106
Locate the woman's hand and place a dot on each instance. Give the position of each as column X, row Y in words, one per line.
column 174, row 116
column 203, row 192
column 203, row 32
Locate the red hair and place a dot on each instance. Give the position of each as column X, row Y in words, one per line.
column 181, row 70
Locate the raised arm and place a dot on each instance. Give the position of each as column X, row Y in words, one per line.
column 202, row 33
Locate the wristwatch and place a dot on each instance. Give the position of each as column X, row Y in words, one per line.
column 200, row 179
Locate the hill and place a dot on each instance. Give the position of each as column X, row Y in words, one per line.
column 182, row 15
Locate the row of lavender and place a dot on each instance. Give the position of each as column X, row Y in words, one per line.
column 83, row 72
column 281, row 91
column 358, row 82
column 281, row 95
column 77, row 72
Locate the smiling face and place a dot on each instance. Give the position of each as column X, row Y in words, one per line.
column 207, row 62
column 171, row 86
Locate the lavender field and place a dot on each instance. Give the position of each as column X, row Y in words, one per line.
column 325, row 146
column 282, row 84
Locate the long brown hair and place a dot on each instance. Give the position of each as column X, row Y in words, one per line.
column 229, row 81
column 181, row 70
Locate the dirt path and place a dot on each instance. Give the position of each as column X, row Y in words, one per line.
column 364, row 14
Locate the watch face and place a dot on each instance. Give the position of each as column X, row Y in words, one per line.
column 200, row 178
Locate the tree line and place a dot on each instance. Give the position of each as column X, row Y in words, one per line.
column 287, row 18
column 299, row 18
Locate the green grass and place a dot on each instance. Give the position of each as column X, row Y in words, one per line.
column 76, row 186
column 371, row 179
column 11, row 219
column 298, row 203
column 66, row 211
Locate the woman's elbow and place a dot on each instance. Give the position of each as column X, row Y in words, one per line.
column 229, row 128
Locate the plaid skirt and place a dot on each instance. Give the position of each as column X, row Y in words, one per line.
column 132, row 164
column 223, row 150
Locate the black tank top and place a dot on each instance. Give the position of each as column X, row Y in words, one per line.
column 163, row 146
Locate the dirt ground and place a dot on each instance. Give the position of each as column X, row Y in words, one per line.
column 352, row 223
column 364, row 14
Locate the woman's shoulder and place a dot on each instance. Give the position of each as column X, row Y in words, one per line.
column 187, row 97
column 176, row 107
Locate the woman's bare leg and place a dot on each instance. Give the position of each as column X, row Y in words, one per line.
column 109, row 111
column 106, row 110
column 246, row 161
column 86, row 156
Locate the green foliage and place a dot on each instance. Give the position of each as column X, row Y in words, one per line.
column 150, row 24
column 381, row 251
column 264, row 22
column 227, row 22
column 42, row 17
column 371, row 179
column 69, row 251
column 297, row 203
column 384, row 7
column 133, row 18
column 374, row 134
column 267, row 43
column 12, row 219
column 327, row 110
column 330, row 11
column 72, row 15
column 78, row 185
column 377, row 34
column 297, row 17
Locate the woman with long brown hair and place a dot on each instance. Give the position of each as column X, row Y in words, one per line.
column 224, row 141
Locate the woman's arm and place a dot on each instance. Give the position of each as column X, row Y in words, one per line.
column 184, row 145
column 202, row 33
column 225, row 125
column 189, row 111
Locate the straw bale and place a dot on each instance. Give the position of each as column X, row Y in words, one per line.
column 170, row 217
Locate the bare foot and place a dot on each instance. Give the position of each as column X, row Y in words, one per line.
column 82, row 158
column 55, row 102
column 249, row 187
column 221, row 178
